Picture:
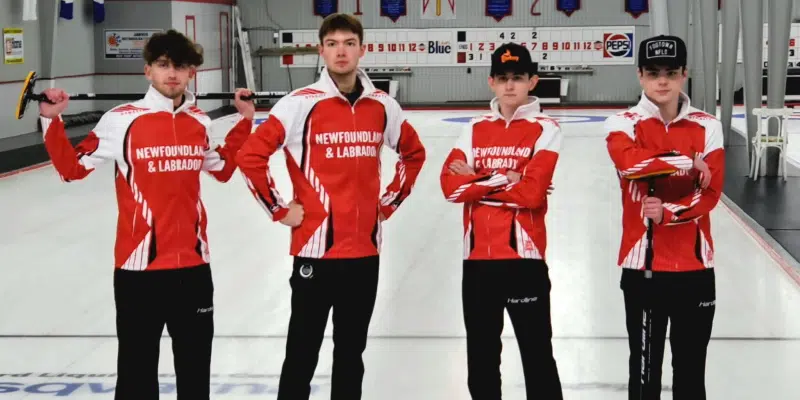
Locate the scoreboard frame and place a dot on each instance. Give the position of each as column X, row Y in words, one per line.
column 458, row 47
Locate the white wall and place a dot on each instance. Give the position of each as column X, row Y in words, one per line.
column 210, row 26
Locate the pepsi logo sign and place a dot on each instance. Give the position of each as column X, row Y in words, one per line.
column 617, row 45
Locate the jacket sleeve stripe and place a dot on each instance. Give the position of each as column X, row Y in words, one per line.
column 491, row 181
column 494, row 203
column 390, row 197
column 679, row 162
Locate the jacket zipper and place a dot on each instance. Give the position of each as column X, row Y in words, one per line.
column 488, row 217
column 175, row 136
column 353, row 114
column 652, row 242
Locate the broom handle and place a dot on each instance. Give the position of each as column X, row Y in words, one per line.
column 139, row 96
column 647, row 317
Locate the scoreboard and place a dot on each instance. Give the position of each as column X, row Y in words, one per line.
column 793, row 47
column 438, row 47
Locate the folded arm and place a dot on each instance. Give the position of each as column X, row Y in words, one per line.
column 467, row 188
column 634, row 162
column 703, row 200
column 531, row 190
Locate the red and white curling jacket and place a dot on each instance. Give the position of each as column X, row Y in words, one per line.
column 504, row 220
column 332, row 151
column 640, row 143
column 158, row 152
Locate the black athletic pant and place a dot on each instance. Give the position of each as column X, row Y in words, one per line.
column 181, row 299
column 523, row 288
column 349, row 287
column 687, row 300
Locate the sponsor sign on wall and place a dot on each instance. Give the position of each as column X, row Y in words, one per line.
column 126, row 43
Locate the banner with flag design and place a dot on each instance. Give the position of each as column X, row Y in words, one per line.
column 438, row 9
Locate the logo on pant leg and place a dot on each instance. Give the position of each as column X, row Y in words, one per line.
column 523, row 300
column 707, row 303
column 205, row 310
column 306, row 271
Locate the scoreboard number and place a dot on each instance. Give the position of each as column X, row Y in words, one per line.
column 511, row 36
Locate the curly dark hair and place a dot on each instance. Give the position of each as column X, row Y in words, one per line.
column 174, row 45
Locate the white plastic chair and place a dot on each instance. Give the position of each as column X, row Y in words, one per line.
column 763, row 140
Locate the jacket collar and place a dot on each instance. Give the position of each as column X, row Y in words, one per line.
column 329, row 86
column 158, row 101
column 651, row 110
column 528, row 110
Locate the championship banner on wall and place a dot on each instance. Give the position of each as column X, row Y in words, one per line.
column 498, row 9
column 323, row 8
column 394, row 9
column 440, row 47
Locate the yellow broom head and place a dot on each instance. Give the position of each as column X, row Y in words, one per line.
column 25, row 94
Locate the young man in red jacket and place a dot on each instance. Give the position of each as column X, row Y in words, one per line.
column 664, row 134
column 501, row 169
column 159, row 146
column 332, row 133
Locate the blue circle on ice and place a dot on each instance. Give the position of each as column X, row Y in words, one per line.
column 562, row 119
